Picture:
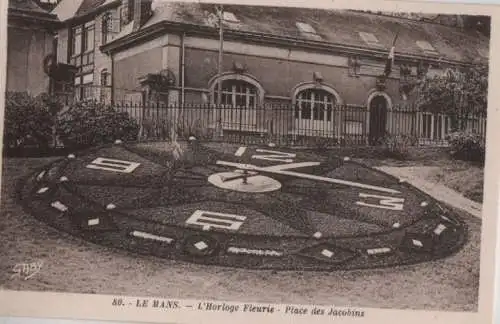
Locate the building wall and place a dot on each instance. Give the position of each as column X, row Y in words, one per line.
column 279, row 77
column 128, row 70
column 279, row 71
column 62, row 45
column 149, row 57
column 101, row 60
column 26, row 49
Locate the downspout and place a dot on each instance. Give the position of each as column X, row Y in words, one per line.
column 183, row 69
column 52, row 85
column 27, row 69
column 112, row 79
column 54, row 53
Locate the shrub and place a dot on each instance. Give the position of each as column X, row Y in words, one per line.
column 398, row 146
column 90, row 123
column 29, row 121
column 467, row 146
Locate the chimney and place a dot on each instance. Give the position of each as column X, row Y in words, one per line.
column 141, row 12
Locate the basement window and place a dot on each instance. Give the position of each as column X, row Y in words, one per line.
column 307, row 30
column 370, row 39
column 427, row 48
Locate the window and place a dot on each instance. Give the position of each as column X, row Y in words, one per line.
column 82, row 39
column 427, row 48
column 229, row 17
column 105, row 78
column 427, row 125
column 474, row 124
column 88, row 37
column 237, row 93
column 82, row 57
column 314, row 104
column 123, row 16
column 105, row 85
column 353, row 127
column 307, row 30
column 82, row 47
column 76, row 41
column 434, row 126
column 239, row 97
column 107, row 26
column 370, row 39
column 83, row 86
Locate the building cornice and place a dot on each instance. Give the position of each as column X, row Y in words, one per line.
column 163, row 27
column 27, row 17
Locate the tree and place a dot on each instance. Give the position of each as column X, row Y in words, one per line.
column 481, row 24
column 456, row 93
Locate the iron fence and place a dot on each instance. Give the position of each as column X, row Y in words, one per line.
column 332, row 125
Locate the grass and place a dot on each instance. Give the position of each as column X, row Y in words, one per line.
column 464, row 179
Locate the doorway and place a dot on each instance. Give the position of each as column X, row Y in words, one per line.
column 378, row 120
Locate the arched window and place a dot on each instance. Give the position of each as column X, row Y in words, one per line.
column 314, row 104
column 105, row 78
column 237, row 93
column 240, row 95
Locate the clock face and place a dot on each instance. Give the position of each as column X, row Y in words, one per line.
column 255, row 207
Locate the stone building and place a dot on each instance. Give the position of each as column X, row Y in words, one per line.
column 30, row 39
column 307, row 60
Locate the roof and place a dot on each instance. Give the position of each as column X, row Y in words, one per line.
column 335, row 27
column 26, row 5
column 71, row 9
column 88, row 6
column 29, row 9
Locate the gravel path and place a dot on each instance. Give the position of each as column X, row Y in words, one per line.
column 417, row 176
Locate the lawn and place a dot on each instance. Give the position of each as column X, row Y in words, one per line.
column 468, row 180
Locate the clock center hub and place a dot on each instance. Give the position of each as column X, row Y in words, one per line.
column 244, row 181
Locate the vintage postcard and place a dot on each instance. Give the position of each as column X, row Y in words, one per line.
column 243, row 162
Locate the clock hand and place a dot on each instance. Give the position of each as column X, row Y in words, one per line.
column 281, row 170
column 238, row 174
column 244, row 173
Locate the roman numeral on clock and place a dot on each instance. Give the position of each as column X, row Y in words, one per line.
column 113, row 165
column 208, row 220
column 275, row 156
column 383, row 202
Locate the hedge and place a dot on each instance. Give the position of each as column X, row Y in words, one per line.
column 43, row 124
